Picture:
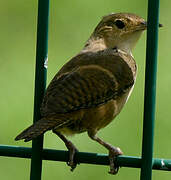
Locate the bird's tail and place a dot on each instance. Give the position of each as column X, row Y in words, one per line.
column 37, row 129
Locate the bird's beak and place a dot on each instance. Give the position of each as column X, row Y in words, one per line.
column 145, row 24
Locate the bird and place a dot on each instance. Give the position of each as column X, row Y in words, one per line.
column 90, row 90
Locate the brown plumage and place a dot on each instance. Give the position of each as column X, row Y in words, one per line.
column 90, row 90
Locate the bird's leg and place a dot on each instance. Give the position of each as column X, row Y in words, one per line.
column 71, row 148
column 113, row 152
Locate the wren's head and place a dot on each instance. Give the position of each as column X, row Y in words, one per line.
column 121, row 30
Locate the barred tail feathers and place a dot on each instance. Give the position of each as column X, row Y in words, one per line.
column 37, row 129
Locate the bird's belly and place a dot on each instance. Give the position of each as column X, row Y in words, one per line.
column 101, row 116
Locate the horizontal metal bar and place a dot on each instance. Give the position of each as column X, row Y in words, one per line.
column 82, row 157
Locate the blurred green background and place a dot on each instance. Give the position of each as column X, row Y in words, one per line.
column 71, row 23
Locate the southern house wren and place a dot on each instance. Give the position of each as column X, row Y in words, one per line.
column 90, row 90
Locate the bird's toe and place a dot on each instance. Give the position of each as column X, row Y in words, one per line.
column 113, row 153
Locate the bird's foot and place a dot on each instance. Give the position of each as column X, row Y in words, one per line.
column 113, row 153
column 72, row 150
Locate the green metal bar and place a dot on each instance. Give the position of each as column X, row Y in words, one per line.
column 40, row 84
column 150, row 89
column 83, row 157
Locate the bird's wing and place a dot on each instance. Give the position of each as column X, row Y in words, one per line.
column 85, row 87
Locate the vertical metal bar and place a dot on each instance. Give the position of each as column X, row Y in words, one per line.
column 40, row 83
column 150, row 89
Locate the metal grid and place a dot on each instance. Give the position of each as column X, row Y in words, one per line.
column 37, row 153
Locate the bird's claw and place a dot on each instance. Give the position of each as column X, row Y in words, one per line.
column 71, row 161
column 72, row 165
column 113, row 153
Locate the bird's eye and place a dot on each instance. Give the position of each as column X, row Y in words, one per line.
column 120, row 24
